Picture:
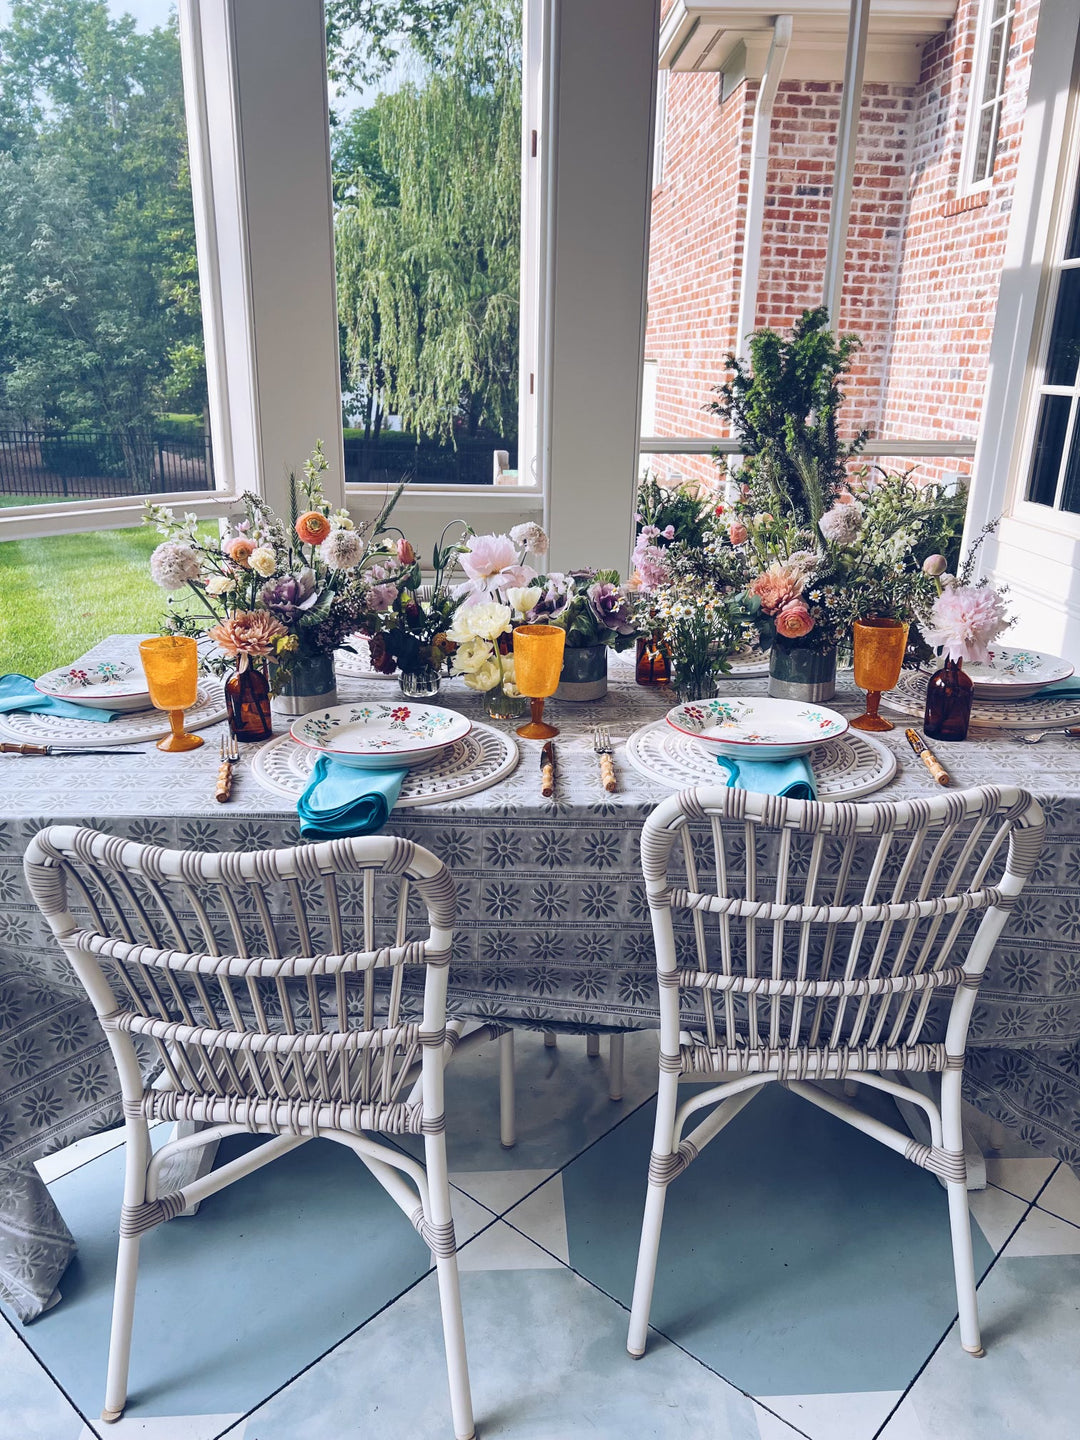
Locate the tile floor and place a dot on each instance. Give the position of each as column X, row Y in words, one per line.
column 805, row 1288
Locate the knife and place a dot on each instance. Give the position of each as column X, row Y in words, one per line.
column 547, row 770
column 54, row 750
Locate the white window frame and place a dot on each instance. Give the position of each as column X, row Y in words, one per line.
column 977, row 103
column 663, row 79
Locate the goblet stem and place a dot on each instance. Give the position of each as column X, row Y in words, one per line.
column 872, row 720
column 537, row 728
column 179, row 739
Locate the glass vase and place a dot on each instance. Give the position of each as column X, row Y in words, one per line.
column 800, row 672
column 949, row 694
column 247, row 702
column 652, row 664
column 307, row 683
column 420, row 684
column 501, row 706
column 698, row 685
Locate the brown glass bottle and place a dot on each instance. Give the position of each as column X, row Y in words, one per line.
column 653, row 663
column 247, row 701
column 948, row 703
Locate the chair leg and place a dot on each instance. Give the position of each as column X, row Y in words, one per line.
column 446, row 1269
column 592, row 1045
column 615, row 1067
column 663, row 1138
column 507, row 1105
column 952, row 1134
column 136, row 1155
column 549, row 1040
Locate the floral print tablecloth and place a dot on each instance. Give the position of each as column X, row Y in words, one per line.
column 553, row 927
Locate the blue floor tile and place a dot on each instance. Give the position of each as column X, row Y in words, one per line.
column 231, row 1304
column 798, row 1256
column 31, row 1405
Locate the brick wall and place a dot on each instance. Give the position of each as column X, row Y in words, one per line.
column 922, row 266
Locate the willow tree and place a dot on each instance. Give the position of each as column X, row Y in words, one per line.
column 428, row 265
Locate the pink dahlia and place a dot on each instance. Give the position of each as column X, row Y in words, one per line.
column 776, row 587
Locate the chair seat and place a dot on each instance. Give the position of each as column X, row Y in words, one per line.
column 696, row 1055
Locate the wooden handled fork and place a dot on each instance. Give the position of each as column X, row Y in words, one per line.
column 230, row 755
column 604, row 748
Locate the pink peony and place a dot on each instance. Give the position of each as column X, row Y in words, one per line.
column 487, row 555
column 738, row 533
column 965, row 622
column 794, row 620
column 776, row 587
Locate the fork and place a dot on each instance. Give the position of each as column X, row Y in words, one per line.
column 604, row 748
column 1034, row 736
column 230, row 756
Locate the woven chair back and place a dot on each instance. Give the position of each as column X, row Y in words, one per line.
column 276, row 978
column 809, row 938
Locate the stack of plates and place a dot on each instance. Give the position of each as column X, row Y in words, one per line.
column 111, row 684
column 757, row 728
column 380, row 735
column 1013, row 674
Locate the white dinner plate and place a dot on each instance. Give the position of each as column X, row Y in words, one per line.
column 757, row 728
column 380, row 734
column 1011, row 673
column 109, row 684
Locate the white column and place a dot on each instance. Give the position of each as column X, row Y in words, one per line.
column 757, row 180
column 606, row 58
column 257, row 103
column 847, row 139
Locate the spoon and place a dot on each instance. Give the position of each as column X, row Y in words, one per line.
column 1033, row 737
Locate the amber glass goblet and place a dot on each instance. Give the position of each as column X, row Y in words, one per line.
column 538, row 657
column 879, row 657
column 171, row 663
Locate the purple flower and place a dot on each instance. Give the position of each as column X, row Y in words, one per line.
column 290, row 597
column 610, row 608
column 552, row 602
column 381, row 597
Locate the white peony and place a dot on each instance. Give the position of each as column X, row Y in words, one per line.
column 173, row 565
column 470, row 656
column 486, row 621
column 524, row 598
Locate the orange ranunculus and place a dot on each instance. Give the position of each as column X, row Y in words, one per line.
column 313, row 527
column 239, row 549
column 794, row 620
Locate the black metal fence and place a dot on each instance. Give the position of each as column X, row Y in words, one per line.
column 96, row 464
column 382, row 462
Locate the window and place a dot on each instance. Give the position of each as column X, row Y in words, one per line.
column 1055, row 461
column 987, row 93
column 660, row 132
column 103, row 390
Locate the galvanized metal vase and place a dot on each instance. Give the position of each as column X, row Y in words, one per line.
column 309, row 685
column 799, row 672
column 584, row 673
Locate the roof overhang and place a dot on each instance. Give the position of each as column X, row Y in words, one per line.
column 734, row 38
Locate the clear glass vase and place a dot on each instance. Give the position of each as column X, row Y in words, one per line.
column 501, row 706
column 698, row 685
column 420, row 684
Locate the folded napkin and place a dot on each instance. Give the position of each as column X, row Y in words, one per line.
column 793, row 779
column 1060, row 690
column 17, row 693
column 343, row 801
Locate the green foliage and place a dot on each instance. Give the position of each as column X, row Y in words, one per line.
column 677, row 506
column 365, row 37
column 99, row 310
column 783, row 406
column 428, row 234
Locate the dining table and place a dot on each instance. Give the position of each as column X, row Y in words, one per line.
column 552, row 929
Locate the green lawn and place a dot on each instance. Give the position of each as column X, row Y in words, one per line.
column 62, row 594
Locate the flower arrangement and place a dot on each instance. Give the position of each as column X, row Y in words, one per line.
column 409, row 632
column 267, row 592
column 702, row 629
column 590, row 605
column 482, row 658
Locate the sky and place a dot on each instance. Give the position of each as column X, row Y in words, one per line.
column 147, row 13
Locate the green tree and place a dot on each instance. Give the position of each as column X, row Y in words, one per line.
column 428, row 240
column 99, row 311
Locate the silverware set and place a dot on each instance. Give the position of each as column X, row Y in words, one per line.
column 230, row 756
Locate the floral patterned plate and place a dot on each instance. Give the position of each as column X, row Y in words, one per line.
column 116, row 683
column 380, row 734
column 1013, row 674
column 760, row 728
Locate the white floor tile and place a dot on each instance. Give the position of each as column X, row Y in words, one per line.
column 62, row 1162
column 1021, row 1177
column 502, row 1248
column 1043, row 1234
column 498, row 1189
column 829, row 1417
column 542, row 1216
column 997, row 1213
column 1062, row 1196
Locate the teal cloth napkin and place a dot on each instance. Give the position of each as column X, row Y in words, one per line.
column 1060, row 690
column 17, row 693
column 792, row 778
column 343, row 801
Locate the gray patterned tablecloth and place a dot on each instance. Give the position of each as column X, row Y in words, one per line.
column 553, row 928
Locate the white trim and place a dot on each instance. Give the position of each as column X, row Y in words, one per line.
column 844, row 172
column 83, row 517
column 756, row 182
column 660, row 129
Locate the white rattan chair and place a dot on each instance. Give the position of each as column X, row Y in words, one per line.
column 269, row 1023
column 820, row 942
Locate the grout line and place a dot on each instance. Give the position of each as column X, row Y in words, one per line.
column 21, row 1339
